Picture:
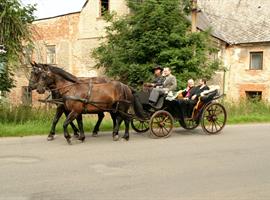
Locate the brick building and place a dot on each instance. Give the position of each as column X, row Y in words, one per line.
column 243, row 40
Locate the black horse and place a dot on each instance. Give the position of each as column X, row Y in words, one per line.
column 34, row 78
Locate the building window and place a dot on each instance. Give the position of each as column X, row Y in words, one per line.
column 51, row 57
column 256, row 60
column 26, row 95
column 254, row 95
column 104, row 7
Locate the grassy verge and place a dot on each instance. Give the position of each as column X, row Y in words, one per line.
column 248, row 112
column 23, row 121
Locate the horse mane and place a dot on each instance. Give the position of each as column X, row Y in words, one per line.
column 66, row 75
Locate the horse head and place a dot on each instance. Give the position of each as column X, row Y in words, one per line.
column 35, row 75
column 46, row 79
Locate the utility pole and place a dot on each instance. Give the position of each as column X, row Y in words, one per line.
column 194, row 16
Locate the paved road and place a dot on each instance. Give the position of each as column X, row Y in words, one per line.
column 188, row 165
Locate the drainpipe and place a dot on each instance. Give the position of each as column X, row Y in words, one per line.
column 194, row 16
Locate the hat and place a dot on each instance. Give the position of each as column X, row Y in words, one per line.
column 157, row 67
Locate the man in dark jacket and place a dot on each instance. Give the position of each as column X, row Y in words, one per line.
column 184, row 106
column 194, row 96
column 157, row 81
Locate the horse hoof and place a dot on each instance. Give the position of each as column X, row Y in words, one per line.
column 69, row 141
column 125, row 139
column 82, row 139
column 115, row 138
column 94, row 134
column 50, row 138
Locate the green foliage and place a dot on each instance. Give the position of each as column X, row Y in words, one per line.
column 156, row 32
column 14, row 34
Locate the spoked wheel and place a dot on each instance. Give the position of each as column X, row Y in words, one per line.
column 139, row 126
column 214, row 118
column 190, row 124
column 161, row 124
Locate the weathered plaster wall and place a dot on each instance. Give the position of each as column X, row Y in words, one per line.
column 239, row 78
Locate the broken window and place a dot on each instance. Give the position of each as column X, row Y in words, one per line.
column 254, row 95
column 104, row 7
column 256, row 60
column 51, row 57
column 26, row 95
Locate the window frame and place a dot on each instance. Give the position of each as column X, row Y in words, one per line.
column 101, row 14
column 250, row 59
column 250, row 95
column 47, row 54
column 26, row 95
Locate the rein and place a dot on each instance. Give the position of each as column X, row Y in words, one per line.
column 58, row 88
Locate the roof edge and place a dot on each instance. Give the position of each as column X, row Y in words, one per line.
column 46, row 18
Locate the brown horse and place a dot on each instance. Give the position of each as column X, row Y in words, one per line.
column 34, row 78
column 86, row 97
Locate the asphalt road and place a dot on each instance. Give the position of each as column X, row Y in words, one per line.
column 187, row 165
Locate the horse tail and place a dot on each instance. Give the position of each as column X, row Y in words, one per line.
column 138, row 107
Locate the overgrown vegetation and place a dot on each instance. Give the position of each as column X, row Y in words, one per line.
column 23, row 121
column 248, row 111
column 156, row 32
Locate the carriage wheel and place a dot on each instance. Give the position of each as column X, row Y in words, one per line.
column 139, row 126
column 190, row 124
column 161, row 124
column 214, row 118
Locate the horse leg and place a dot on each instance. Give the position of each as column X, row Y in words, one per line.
column 116, row 128
column 96, row 129
column 72, row 115
column 113, row 116
column 58, row 114
column 75, row 130
column 80, row 124
column 126, row 135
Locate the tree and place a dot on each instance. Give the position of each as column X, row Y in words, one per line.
column 156, row 32
column 15, row 33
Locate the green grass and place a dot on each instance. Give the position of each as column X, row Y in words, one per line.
column 248, row 112
column 43, row 127
column 24, row 121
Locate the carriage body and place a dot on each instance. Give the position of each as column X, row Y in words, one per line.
column 208, row 112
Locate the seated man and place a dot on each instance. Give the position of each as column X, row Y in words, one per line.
column 194, row 96
column 169, row 84
column 184, row 94
column 158, row 79
column 189, row 98
column 181, row 103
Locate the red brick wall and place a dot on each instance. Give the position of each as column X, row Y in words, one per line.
column 253, row 87
column 63, row 27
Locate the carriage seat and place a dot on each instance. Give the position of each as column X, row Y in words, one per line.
column 209, row 95
column 205, row 97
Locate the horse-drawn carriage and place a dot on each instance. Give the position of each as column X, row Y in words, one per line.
column 208, row 112
column 95, row 96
